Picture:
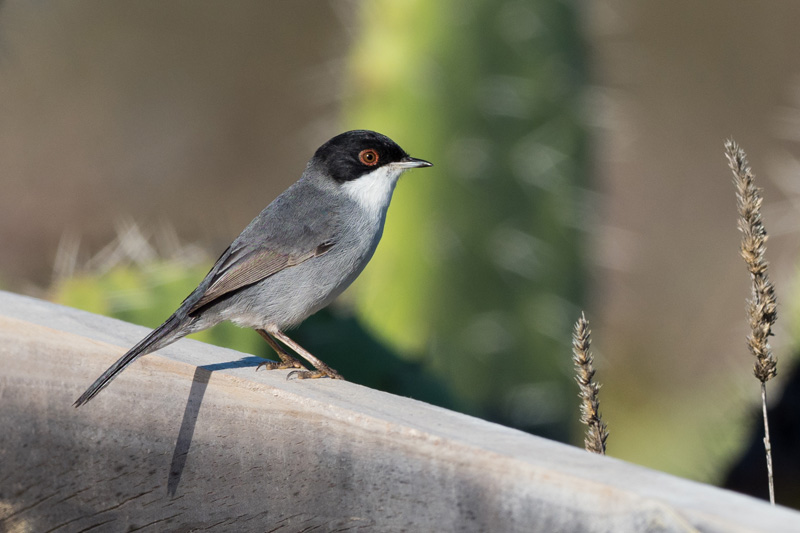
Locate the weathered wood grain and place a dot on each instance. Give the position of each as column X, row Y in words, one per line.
column 192, row 439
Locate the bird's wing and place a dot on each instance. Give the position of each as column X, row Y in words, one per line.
column 302, row 223
column 237, row 269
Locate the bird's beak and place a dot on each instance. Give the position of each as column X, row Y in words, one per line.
column 412, row 162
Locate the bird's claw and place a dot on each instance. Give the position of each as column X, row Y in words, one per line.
column 271, row 365
column 315, row 374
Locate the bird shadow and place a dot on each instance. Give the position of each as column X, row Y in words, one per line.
column 202, row 375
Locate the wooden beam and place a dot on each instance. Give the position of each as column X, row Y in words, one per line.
column 193, row 438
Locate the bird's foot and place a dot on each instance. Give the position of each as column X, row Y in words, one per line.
column 321, row 369
column 325, row 372
column 287, row 361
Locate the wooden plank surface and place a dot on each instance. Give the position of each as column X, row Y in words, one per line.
column 192, row 439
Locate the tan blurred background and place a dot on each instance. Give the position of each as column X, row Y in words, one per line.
column 674, row 80
column 196, row 115
column 193, row 115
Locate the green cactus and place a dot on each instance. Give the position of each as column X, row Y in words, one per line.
column 480, row 273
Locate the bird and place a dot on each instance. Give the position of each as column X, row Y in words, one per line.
column 303, row 250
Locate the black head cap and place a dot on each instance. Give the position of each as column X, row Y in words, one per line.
column 351, row 154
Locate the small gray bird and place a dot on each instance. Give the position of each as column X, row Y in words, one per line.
column 296, row 256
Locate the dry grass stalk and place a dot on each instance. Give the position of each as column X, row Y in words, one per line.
column 762, row 307
column 596, row 432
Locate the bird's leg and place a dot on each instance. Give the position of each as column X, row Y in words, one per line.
column 322, row 371
column 287, row 361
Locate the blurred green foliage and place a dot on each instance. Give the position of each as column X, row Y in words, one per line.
column 480, row 273
column 147, row 295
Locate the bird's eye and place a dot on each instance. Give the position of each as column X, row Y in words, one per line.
column 369, row 157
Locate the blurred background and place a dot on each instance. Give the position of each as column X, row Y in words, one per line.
column 579, row 166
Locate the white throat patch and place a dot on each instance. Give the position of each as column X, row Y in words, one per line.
column 373, row 191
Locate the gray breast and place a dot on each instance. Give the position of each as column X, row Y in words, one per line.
column 288, row 297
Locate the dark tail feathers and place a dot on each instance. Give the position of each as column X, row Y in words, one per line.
column 165, row 334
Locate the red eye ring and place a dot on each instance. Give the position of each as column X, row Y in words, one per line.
column 368, row 157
